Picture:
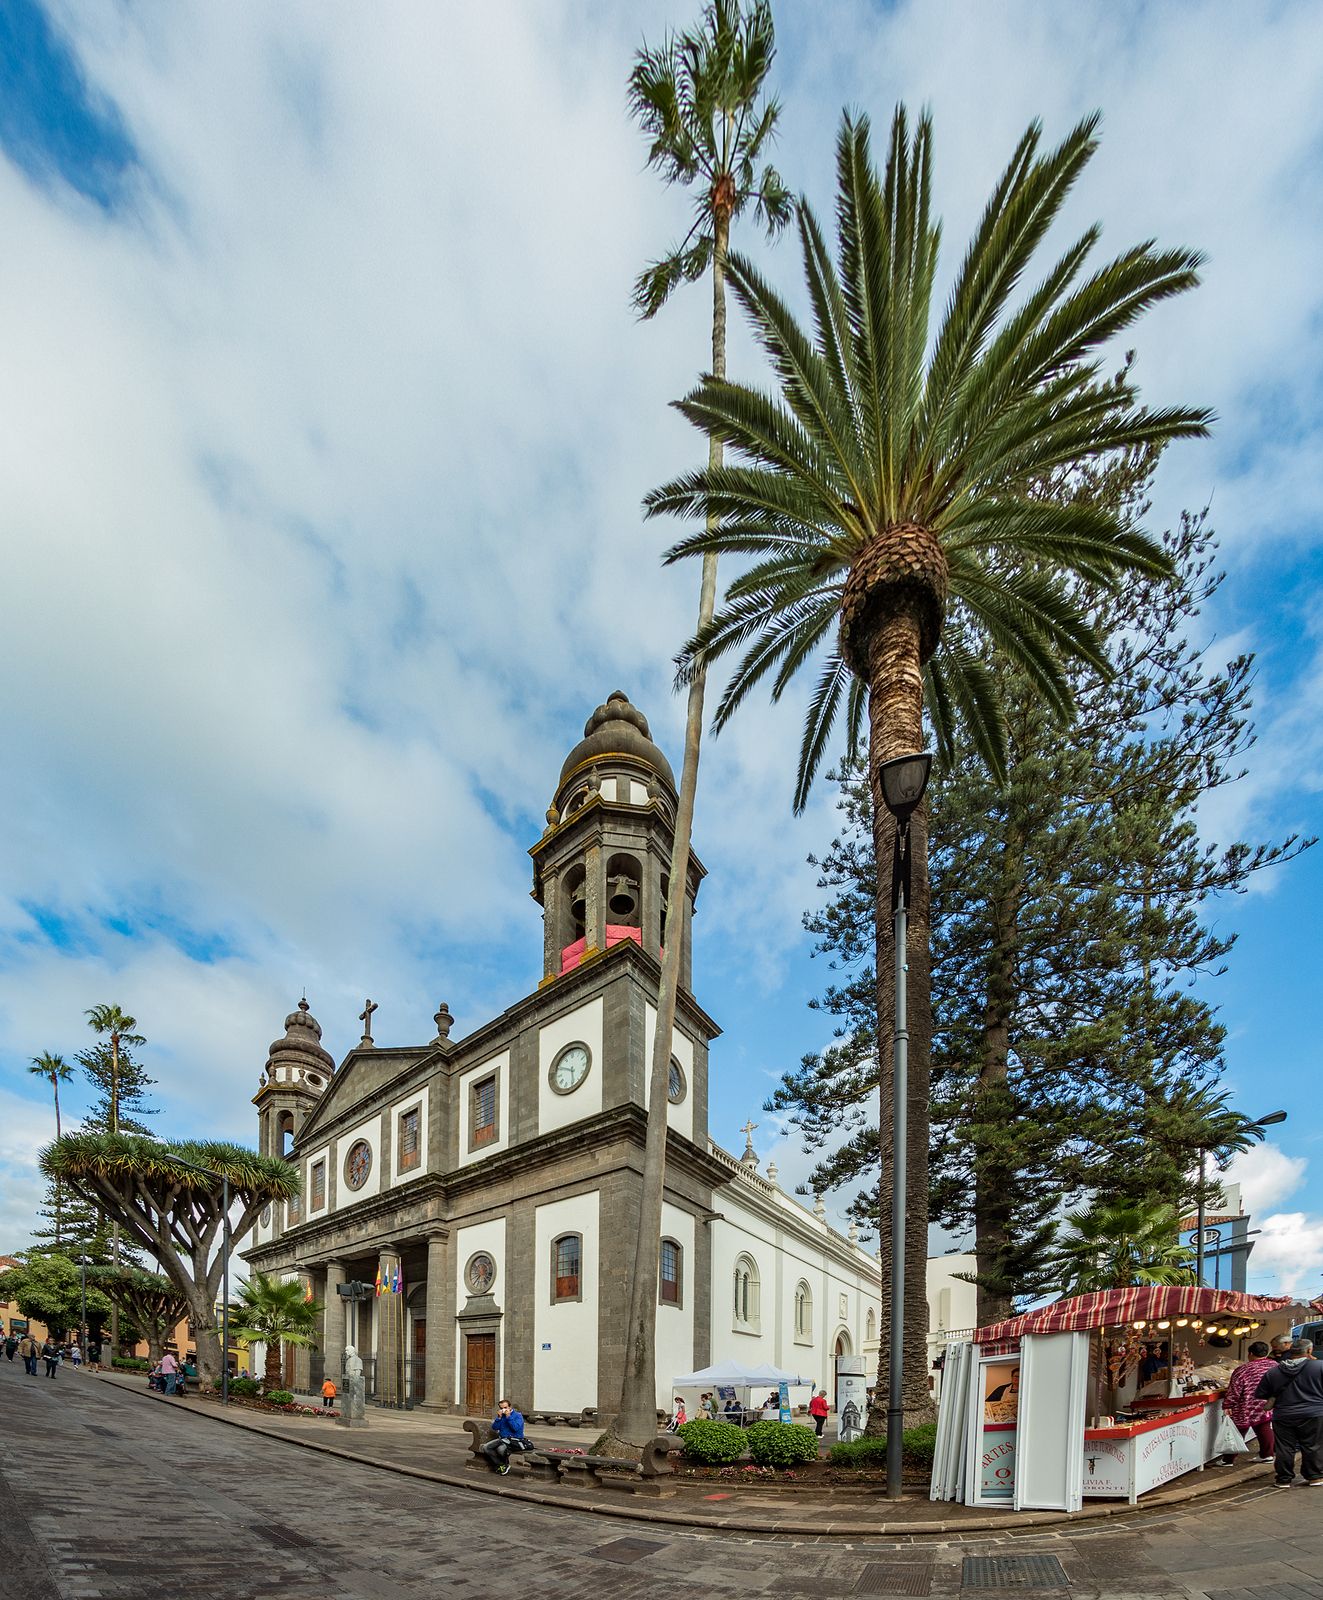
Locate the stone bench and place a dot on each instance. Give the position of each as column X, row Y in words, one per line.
column 575, row 1471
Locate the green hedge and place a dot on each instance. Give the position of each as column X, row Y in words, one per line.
column 131, row 1364
column 712, row 1444
column 781, row 1444
column 279, row 1397
column 917, row 1450
column 245, row 1388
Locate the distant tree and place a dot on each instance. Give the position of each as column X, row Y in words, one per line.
column 48, row 1288
column 273, row 1311
column 1116, row 1246
column 700, row 99
column 150, row 1301
column 56, row 1070
column 175, row 1213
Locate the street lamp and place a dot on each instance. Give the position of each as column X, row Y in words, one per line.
column 902, row 782
column 225, row 1266
column 1269, row 1121
column 82, row 1285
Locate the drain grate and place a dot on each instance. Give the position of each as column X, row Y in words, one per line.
column 277, row 1533
column 1013, row 1572
column 624, row 1550
column 905, row 1578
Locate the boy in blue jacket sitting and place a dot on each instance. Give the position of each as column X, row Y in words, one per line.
column 508, row 1426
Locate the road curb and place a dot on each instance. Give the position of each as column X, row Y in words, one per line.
column 1014, row 1523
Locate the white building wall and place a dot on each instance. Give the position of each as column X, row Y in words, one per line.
column 370, row 1133
column 488, row 1236
column 417, row 1097
column 584, row 1026
column 565, row 1335
column 675, row 1324
column 500, row 1065
column 680, row 1118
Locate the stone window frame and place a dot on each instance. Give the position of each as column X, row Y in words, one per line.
column 558, row 1299
column 293, row 1210
column 662, row 1300
column 870, row 1326
column 316, row 1170
column 493, row 1136
column 803, row 1312
column 354, row 1148
column 677, row 1066
column 574, row 1044
column 748, row 1305
column 468, row 1268
column 414, row 1110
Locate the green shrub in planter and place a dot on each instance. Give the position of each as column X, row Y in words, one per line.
column 712, row 1444
column 781, row 1444
column 917, row 1450
column 130, row 1364
column 245, row 1388
column 279, row 1397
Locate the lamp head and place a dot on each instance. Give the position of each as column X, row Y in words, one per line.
column 903, row 781
column 1269, row 1120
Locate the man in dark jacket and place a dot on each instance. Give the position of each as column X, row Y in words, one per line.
column 1295, row 1387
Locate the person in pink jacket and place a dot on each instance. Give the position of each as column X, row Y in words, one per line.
column 1249, row 1414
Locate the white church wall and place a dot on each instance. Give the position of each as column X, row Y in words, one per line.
column 370, row 1133
column 739, row 1232
column 675, row 1324
column 583, row 1025
column 500, row 1065
column 488, row 1236
column 678, row 1117
column 565, row 1335
column 417, row 1097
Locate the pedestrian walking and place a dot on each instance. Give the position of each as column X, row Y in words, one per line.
column 328, row 1394
column 1241, row 1404
column 818, row 1409
column 11, row 1346
column 1295, row 1389
column 710, row 1407
column 169, row 1372
column 75, row 1355
column 508, row 1428
column 50, row 1354
column 94, row 1355
column 678, row 1417
column 27, row 1348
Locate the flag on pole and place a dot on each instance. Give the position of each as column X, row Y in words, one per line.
column 380, row 1286
column 396, row 1285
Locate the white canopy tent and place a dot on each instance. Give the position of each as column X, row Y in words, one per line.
column 740, row 1375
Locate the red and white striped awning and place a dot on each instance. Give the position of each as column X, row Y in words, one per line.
column 1147, row 1303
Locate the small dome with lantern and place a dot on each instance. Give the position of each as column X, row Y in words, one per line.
column 617, row 729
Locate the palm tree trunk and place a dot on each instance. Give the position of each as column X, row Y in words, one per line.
column 895, row 716
column 271, row 1374
column 59, row 1188
column 636, row 1418
column 114, row 1229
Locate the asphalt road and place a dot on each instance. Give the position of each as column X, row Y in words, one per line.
column 106, row 1495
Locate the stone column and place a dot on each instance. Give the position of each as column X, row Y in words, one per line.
column 440, row 1327
column 333, row 1323
column 594, row 891
column 390, row 1336
column 650, row 905
column 551, row 930
column 302, row 1354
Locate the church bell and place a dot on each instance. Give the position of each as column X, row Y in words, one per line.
column 624, row 900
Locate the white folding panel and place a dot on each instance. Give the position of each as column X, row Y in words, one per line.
column 948, row 1479
column 1049, row 1465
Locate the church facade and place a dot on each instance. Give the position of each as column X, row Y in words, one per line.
column 492, row 1183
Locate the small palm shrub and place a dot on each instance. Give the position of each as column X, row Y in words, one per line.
column 280, row 1397
column 781, row 1444
column 245, row 1388
column 712, row 1444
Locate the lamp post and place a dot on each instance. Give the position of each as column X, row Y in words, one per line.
column 902, row 781
column 82, row 1289
column 225, row 1266
column 1272, row 1118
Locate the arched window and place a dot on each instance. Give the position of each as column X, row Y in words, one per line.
column 285, row 1134
column 746, row 1294
column 670, row 1273
column 803, row 1311
column 566, row 1265
column 870, row 1326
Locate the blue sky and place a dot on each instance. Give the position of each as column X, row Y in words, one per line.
column 324, row 425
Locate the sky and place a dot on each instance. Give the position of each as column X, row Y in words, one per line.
column 324, row 427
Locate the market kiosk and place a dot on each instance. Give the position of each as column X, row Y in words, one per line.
column 1100, row 1395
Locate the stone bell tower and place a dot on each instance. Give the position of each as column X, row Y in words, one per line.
column 297, row 1073
column 601, row 871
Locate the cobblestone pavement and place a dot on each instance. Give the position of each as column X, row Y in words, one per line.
column 105, row 1495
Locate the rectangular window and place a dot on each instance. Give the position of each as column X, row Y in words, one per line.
column 670, row 1273
column 291, row 1211
column 484, row 1111
column 318, row 1185
column 566, row 1255
column 409, row 1151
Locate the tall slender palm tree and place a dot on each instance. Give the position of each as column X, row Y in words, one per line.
column 699, row 97
column 272, row 1312
column 56, row 1070
column 881, row 487
column 121, row 1029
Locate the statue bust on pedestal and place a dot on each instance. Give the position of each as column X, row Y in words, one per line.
column 353, row 1401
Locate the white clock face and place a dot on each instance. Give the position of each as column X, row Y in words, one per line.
column 570, row 1068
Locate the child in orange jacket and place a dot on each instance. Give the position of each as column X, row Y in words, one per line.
column 328, row 1394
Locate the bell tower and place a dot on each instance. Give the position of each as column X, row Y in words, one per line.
column 601, row 871
column 297, row 1073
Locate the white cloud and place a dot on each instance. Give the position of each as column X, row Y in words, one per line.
column 1289, row 1254
column 1267, row 1176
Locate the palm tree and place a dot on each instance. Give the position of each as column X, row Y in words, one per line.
column 122, row 1030
column 1117, row 1246
column 699, row 97
column 882, row 488
column 272, row 1311
column 58, row 1071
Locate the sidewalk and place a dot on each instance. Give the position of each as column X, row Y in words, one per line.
column 434, row 1447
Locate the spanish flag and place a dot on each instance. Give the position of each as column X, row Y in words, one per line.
column 381, row 1287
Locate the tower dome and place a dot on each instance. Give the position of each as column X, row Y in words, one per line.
column 301, row 1050
column 617, row 729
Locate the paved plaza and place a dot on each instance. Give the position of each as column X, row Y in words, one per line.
column 107, row 1494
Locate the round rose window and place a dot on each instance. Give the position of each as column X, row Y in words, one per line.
column 480, row 1273
column 675, row 1084
column 266, row 1216
column 358, row 1163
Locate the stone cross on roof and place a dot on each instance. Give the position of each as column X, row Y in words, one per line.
column 365, row 1017
column 749, row 1153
